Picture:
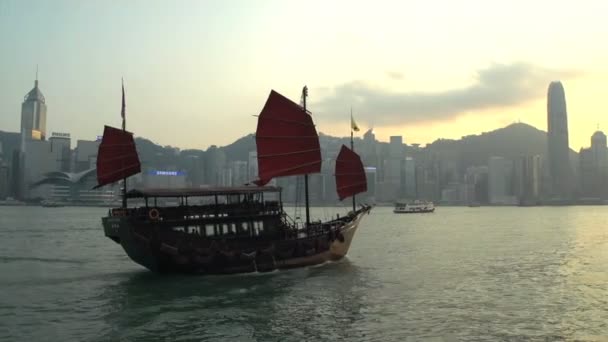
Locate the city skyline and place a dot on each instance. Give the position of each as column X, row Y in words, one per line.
column 514, row 165
column 33, row 123
column 205, row 66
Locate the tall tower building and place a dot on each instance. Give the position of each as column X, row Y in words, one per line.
column 33, row 114
column 559, row 159
column 594, row 167
column 599, row 148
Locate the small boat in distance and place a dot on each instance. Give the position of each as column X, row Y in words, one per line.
column 11, row 202
column 222, row 230
column 414, row 207
column 51, row 204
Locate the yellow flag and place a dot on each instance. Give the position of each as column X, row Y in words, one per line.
column 353, row 124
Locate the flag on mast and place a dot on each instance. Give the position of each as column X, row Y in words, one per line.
column 122, row 111
column 353, row 124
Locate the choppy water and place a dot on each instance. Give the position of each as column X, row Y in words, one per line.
column 460, row 274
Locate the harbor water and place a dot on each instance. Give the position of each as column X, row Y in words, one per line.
column 459, row 274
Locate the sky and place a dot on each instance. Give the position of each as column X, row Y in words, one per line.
column 197, row 72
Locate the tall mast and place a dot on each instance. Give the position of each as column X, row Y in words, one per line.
column 352, row 145
column 304, row 95
column 124, row 127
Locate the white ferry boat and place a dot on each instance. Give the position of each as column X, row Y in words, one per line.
column 414, row 207
column 51, row 204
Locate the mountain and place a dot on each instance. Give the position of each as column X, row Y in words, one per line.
column 511, row 142
column 239, row 150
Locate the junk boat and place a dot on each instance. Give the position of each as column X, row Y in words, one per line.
column 414, row 207
column 224, row 230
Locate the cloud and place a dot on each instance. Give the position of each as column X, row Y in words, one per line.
column 498, row 86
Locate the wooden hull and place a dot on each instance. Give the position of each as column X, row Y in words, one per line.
column 172, row 252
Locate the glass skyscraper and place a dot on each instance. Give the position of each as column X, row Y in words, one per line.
column 558, row 154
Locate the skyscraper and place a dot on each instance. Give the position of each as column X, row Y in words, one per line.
column 559, row 159
column 33, row 114
column 527, row 182
column 500, row 180
column 599, row 148
column 392, row 170
column 593, row 163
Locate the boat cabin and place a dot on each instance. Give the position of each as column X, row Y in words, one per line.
column 220, row 212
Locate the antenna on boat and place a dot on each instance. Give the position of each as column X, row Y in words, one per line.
column 304, row 95
column 124, row 127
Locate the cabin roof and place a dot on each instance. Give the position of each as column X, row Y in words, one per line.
column 190, row 192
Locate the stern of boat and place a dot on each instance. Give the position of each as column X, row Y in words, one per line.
column 111, row 226
column 118, row 226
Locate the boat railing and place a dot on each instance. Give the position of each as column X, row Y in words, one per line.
column 183, row 212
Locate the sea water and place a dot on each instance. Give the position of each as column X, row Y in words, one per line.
column 459, row 274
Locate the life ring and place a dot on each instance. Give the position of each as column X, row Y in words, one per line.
column 153, row 214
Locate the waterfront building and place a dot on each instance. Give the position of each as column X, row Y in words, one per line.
column 252, row 166
column 239, row 172
column 427, row 180
column 215, row 162
column 4, row 175
column 195, row 170
column 391, row 184
column 372, row 182
column 500, row 180
column 599, row 151
column 409, row 178
column 395, row 147
column 528, row 177
column 369, row 150
column 476, row 180
column 60, row 148
column 38, row 160
column 593, row 166
column 85, row 155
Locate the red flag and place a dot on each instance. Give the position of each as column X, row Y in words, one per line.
column 122, row 110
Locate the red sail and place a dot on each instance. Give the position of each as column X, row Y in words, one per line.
column 117, row 157
column 286, row 140
column 350, row 175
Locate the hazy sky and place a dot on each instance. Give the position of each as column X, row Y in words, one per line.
column 197, row 71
